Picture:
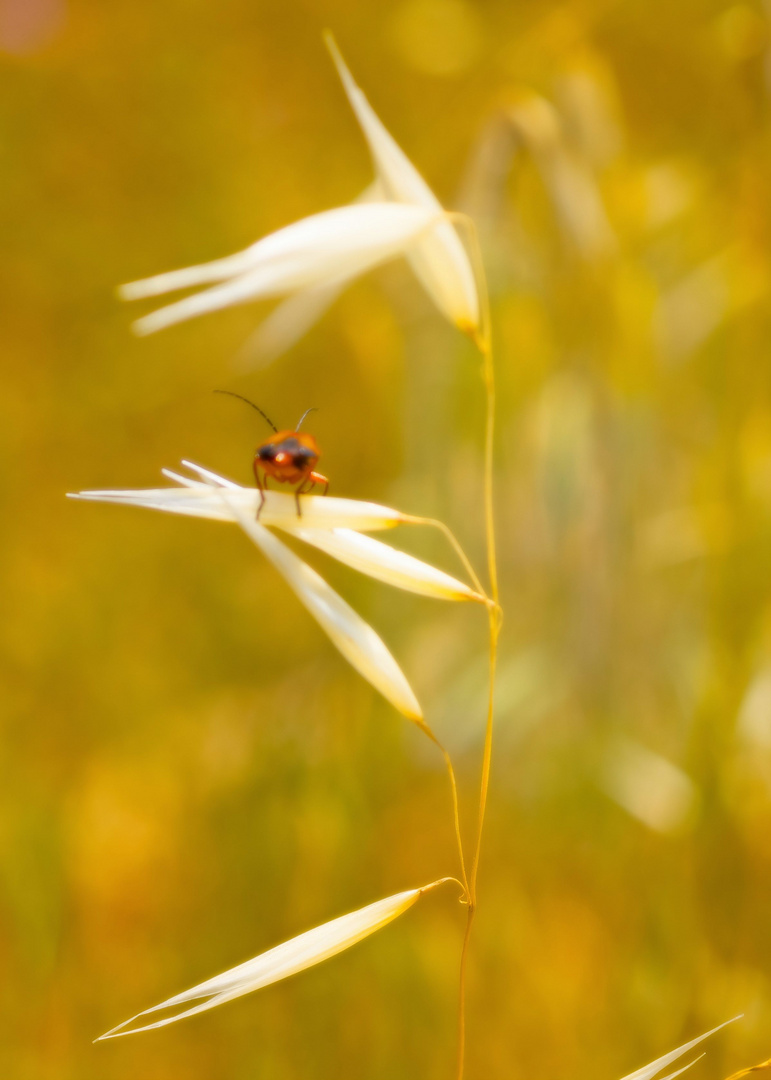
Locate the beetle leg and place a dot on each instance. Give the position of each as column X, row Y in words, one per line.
column 319, row 478
column 302, row 490
column 261, row 486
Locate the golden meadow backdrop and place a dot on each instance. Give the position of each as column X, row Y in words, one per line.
column 189, row 772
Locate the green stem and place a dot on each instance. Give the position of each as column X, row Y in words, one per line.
column 484, row 343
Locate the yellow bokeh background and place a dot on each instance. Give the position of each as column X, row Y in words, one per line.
column 189, row 771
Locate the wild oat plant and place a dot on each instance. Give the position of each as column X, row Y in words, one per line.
column 310, row 262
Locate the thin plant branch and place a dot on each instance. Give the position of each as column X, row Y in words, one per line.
column 465, row 899
column 482, row 338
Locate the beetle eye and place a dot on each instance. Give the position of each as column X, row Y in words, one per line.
column 303, row 458
column 266, row 453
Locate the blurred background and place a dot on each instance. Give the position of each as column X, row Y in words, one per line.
column 189, row 771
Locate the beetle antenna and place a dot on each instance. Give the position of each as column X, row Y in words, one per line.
column 248, row 402
column 313, row 408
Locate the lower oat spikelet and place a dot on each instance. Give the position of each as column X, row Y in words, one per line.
column 648, row 1072
column 293, row 956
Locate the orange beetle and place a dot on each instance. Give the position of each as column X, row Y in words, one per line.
column 289, row 457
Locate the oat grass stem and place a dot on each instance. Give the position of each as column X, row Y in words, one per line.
column 483, row 340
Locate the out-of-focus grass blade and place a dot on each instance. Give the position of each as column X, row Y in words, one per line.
column 751, row 1069
column 569, row 181
column 650, row 788
column 387, row 564
column 649, row 1071
column 278, row 963
column 287, row 324
column 351, row 635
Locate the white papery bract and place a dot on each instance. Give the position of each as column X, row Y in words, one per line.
column 293, row 956
column 386, row 564
column 201, row 499
column 332, row 525
column 439, row 259
column 335, row 245
column 347, row 631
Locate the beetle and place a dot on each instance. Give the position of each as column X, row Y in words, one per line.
column 290, row 457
